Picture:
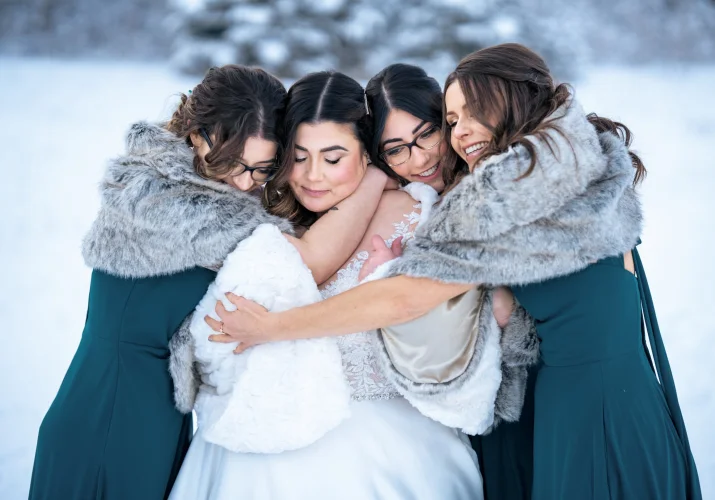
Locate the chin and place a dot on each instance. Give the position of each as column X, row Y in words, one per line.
column 315, row 205
column 438, row 185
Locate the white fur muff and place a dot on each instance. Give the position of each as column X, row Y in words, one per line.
column 277, row 396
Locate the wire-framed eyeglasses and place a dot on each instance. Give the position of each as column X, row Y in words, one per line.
column 263, row 173
column 397, row 155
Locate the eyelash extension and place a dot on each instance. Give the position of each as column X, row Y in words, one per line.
column 333, row 162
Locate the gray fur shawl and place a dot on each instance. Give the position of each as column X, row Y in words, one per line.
column 159, row 217
column 576, row 207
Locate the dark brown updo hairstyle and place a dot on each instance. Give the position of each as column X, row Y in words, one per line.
column 508, row 88
column 232, row 103
column 325, row 96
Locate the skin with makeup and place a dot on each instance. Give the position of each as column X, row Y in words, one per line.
column 354, row 201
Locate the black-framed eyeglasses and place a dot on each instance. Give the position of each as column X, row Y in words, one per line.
column 259, row 174
column 397, row 155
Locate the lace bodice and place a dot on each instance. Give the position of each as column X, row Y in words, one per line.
column 359, row 363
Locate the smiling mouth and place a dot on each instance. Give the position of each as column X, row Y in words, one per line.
column 475, row 149
column 430, row 172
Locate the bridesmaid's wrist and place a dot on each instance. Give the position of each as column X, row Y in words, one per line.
column 276, row 328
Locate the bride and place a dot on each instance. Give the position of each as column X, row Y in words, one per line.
column 385, row 449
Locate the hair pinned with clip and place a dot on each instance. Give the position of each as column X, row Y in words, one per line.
column 367, row 106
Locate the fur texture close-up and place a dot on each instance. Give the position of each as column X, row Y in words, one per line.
column 576, row 207
column 153, row 203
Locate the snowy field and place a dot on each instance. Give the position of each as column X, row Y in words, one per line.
column 62, row 120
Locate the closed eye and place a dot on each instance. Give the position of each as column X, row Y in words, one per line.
column 395, row 151
column 429, row 132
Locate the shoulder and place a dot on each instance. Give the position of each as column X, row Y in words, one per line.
column 397, row 212
column 396, row 202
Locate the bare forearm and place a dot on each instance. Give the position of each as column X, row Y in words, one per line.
column 335, row 236
column 372, row 305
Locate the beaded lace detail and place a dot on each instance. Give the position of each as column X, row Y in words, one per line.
column 359, row 362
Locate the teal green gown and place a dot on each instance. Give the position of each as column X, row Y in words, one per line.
column 604, row 427
column 112, row 431
column 506, row 454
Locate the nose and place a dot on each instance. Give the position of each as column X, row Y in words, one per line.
column 461, row 130
column 314, row 172
column 245, row 182
column 420, row 157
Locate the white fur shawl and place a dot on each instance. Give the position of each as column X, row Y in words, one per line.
column 276, row 396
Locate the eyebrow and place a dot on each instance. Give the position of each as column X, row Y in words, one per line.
column 324, row 150
column 414, row 131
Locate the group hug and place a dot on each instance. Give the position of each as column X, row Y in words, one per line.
column 406, row 291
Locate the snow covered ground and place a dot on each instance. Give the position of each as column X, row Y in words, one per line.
column 62, row 120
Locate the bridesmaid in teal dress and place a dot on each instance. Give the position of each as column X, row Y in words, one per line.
column 597, row 393
column 113, row 431
column 606, row 421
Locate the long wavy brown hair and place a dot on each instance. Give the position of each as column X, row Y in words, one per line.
column 232, row 103
column 508, row 88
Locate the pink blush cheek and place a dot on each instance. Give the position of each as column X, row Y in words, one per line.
column 457, row 149
column 345, row 179
column 296, row 173
column 443, row 148
column 403, row 170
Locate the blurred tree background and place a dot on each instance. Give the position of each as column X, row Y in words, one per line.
column 292, row 37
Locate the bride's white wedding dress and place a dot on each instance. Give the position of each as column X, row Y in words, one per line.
column 386, row 449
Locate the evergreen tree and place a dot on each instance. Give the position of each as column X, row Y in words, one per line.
column 293, row 37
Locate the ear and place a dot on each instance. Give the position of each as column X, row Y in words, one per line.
column 196, row 139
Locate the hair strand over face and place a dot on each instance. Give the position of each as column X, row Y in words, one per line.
column 508, row 88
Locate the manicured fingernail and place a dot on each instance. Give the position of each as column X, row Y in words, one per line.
column 211, row 338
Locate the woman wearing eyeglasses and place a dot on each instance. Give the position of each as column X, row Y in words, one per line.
column 172, row 208
column 407, row 109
